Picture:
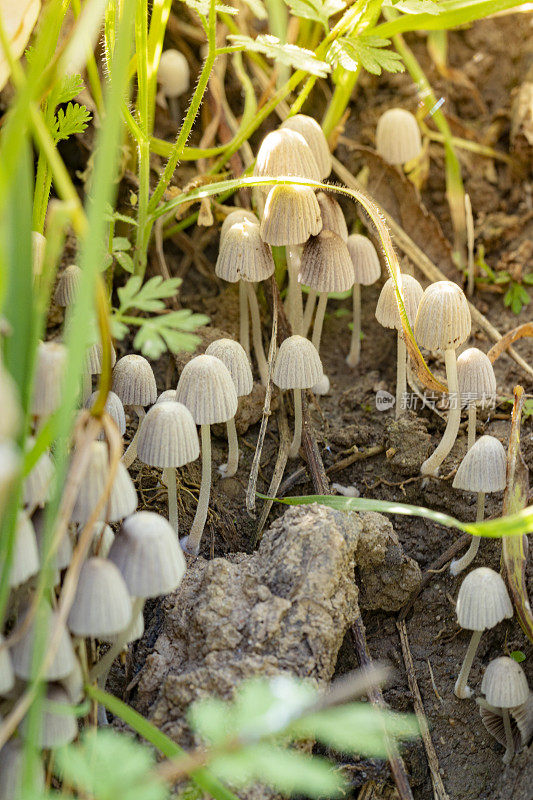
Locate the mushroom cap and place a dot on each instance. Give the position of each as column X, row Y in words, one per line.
column 493, row 722
column 504, row 683
column 68, row 286
column 298, row 365
column 326, row 264
column 285, row 153
column 168, row 396
column 315, row 138
column 291, row 215
column 25, row 560
column 173, row 73
column 398, row 137
column 207, row 389
column 22, row 651
column 475, row 374
column 238, row 215
column 134, row 381
column 102, row 538
column 387, row 313
column 63, row 554
column 38, row 482
column 365, row 259
column 102, row 605
column 148, row 555
column 48, row 380
column 114, row 407
column 9, row 403
column 168, row 436
column 483, row 600
column 93, row 359
column 484, row 467
column 443, row 320
column 233, row 355
column 55, row 728
column 243, row 255
column 332, row 216
column 136, row 632
column 123, row 497
column 12, row 769
column 7, row 676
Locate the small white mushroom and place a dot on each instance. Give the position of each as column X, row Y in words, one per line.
column 134, row 383
column 367, row 270
column 56, row 727
column 114, row 407
column 505, row 687
column 12, row 762
column 101, row 605
column 123, row 497
column 315, row 138
column 63, row 661
column 332, row 216
column 37, row 483
column 477, row 384
column 48, row 380
column 68, row 286
column 398, row 136
column 25, row 556
column 285, row 153
column 173, row 76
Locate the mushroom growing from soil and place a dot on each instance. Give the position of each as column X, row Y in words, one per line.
column 68, row 286
column 48, row 380
column 482, row 603
column 505, row 687
column 57, row 727
column 443, row 323
column 206, row 387
column 101, row 605
column 93, row 366
column 114, row 407
column 237, row 215
column 297, row 367
column 25, row 557
column 233, row 356
column 12, row 768
column 38, row 482
column 134, row 383
column 315, row 138
column 477, row 384
column 123, row 497
column 367, row 270
column 387, row 314
column 168, row 439
column 398, row 136
column 285, row 154
column 482, row 470
column 332, row 215
column 173, row 76
column 63, row 661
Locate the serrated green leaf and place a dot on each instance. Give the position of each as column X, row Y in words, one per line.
column 65, row 90
column 289, row 54
column 74, row 119
column 125, row 261
column 316, row 10
column 149, row 296
column 118, row 329
column 121, row 243
column 127, row 293
column 368, row 52
column 528, row 278
column 413, row 6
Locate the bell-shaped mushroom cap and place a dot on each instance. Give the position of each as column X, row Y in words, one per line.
column 207, row 389
column 332, row 216
column 443, row 320
column 9, row 403
column 168, row 436
column 48, row 380
column 475, row 374
column 504, row 683
column 22, row 651
column 398, row 136
column 387, row 313
column 25, row 560
column 233, row 355
column 238, row 215
column 123, row 497
column 134, row 381
column 291, row 215
column 243, row 255
column 93, row 359
column 173, row 73
column 484, row 467
column 7, row 676
column 68, row 286
column 168, row 396
column 326, row 264
column 135, row 633
column 37, row 483
column 285, row 153
column 12, row 770
column 148, row 554
column 102, row 605
column 315, row 138
column 483, row 600
column 63, row 555
column 102, row 539
column 114, row 407
column 298, row 365
column 56, row 728
column 365, row 259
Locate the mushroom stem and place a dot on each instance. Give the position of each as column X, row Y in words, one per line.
column 472, row 414
column 401, row 375
column 197, row 528
column 244, row 320
column 101, row 669
column 352, row 359
column 174, row 108
column 297, row 438
column 509, row 751
column 309, row 308
column 169, row 478
column 461, row 689
column 256, row 334
column 294, row 294
column 458, row 566
column 431, row 465
column 129, row 456
column 229, row 469
column 319, row 319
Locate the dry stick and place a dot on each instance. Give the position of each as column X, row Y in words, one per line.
column 425, row 265
column 279, row 468
column 375, row 696
column 360, row 455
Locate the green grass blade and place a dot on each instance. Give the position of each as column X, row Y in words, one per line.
column 452, row 14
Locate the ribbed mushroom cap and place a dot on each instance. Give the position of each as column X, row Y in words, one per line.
column 298, row 365
column 134, row 381
column 102, row 605
column 68, row 286
column 233, row 355
column 326, row 264
column 93, row 359
column 22, row 651
column 114, row 407
column 102, row 539
column 168, row 436
column 38, row 482
column 398, row 136
column 483, row 600
column 238, row 215
column 55, row 728
column 25, row 559
column 48, row 381
column 148, row 554
column 9, row 403
column 387, row 313
column 285, row 153
column 365, row 259
column 135, row 633
column 523, row 716
column 315, row 138
column 443, row 320
column 168, row 396
column 173, row 73
column 504, row 683
column 7, row 676
column 475, row 374
column 12, row 769
column 484, row 467
column 207, row 389
column 63, row 554
column 123, row 497
column 493, row 722
column 332, row 216
column 243, row 255
column 291, row 215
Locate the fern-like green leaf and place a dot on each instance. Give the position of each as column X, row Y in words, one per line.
column 74, row 119
column 368, row 52
column 316, row 10
column 289, row 54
